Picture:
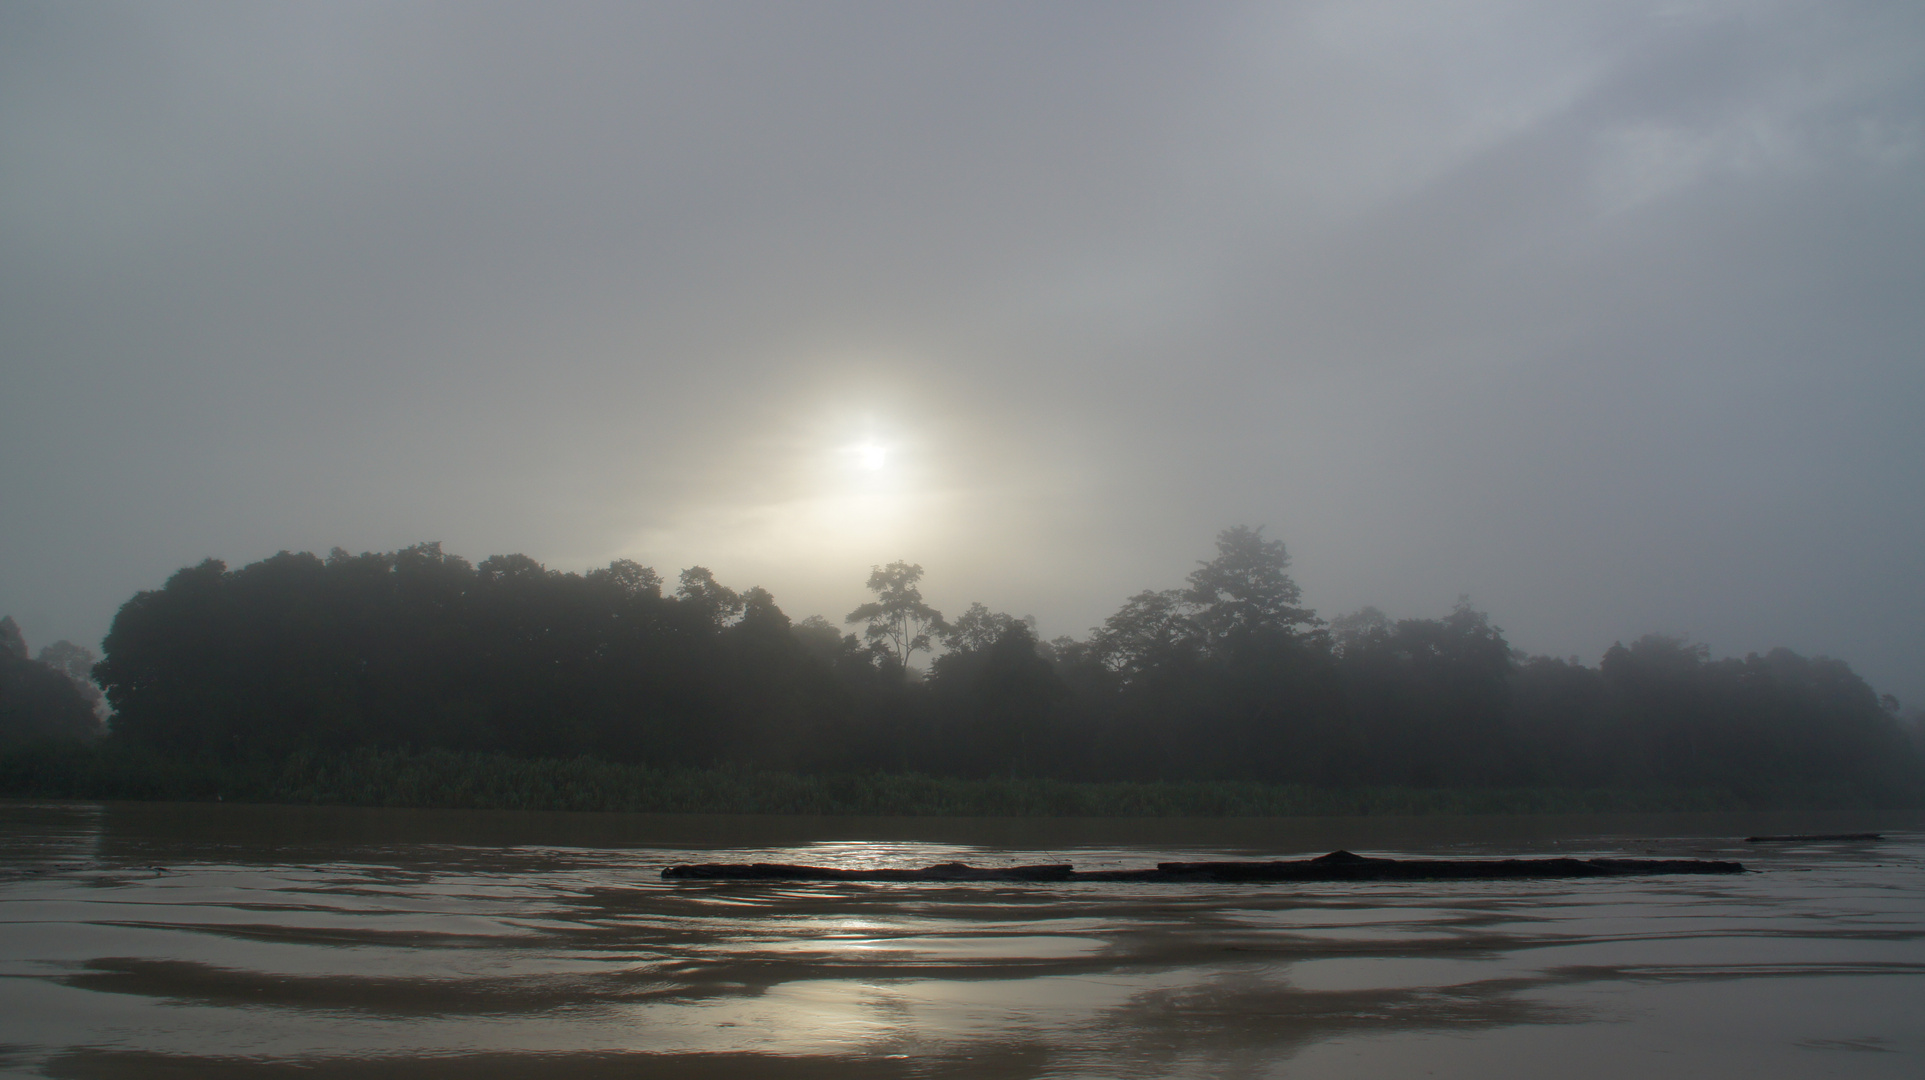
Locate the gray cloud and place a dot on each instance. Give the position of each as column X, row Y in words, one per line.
column 1604, row 314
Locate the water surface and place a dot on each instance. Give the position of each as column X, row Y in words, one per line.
column 145, row 940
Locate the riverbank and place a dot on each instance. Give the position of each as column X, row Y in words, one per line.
column 442, row 779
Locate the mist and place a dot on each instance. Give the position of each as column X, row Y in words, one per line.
column 1604, row 315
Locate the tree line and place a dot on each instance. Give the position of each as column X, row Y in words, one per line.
column 1228, row 678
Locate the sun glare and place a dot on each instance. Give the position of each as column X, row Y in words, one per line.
column 856, row 497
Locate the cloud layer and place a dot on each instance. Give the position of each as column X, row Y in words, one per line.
column 1604, row 314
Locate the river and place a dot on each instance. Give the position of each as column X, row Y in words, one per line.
column 214, row 941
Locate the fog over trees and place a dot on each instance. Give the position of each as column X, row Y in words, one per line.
column 1229, row 678
column 49, row 698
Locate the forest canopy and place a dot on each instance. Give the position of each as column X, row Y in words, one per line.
column 49, row 698
column 1227, row 678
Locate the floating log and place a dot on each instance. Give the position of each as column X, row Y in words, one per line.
column 1793, row 838
column 941, row 872
column 1336, row 866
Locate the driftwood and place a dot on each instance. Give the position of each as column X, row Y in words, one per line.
column 1793, row 838
column 1336, row 866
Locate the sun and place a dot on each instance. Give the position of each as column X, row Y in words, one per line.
column 844, row 495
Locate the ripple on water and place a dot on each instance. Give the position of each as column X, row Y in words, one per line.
column 366, row 943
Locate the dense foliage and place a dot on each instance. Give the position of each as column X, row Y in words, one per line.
column 1227, row 680
column 49, row 699
column 445, row 779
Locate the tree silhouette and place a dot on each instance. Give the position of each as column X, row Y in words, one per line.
column 702, row 593
column 1151, row 631
column 42, row 701
column 1244, row 591
column 629, row 578
column 900, row 624
column 978, row 628
column 76, row 662
column 1229, row 679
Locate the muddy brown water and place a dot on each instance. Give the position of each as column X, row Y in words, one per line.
column 149, row 940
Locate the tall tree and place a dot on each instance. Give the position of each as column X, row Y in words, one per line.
column 1245, row 590
column 715, row 601
column 1151, row 631
column 900, row 624
column 40, row 701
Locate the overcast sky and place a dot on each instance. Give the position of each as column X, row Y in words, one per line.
column 1610, row 316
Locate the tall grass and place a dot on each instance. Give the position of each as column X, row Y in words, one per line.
column 439, row 778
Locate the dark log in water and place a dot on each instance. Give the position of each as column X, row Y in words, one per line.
column 955, row 871
column 1336, row 866
column 1793, row 838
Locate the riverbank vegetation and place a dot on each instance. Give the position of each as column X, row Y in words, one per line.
column 445, row 779
column 49, row 699
column 416, row 678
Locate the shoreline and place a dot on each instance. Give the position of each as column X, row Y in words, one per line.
column 447, row 780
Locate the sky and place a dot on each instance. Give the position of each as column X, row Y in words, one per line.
column 1605, row 315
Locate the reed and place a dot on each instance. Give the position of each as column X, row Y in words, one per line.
column 440, row 778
